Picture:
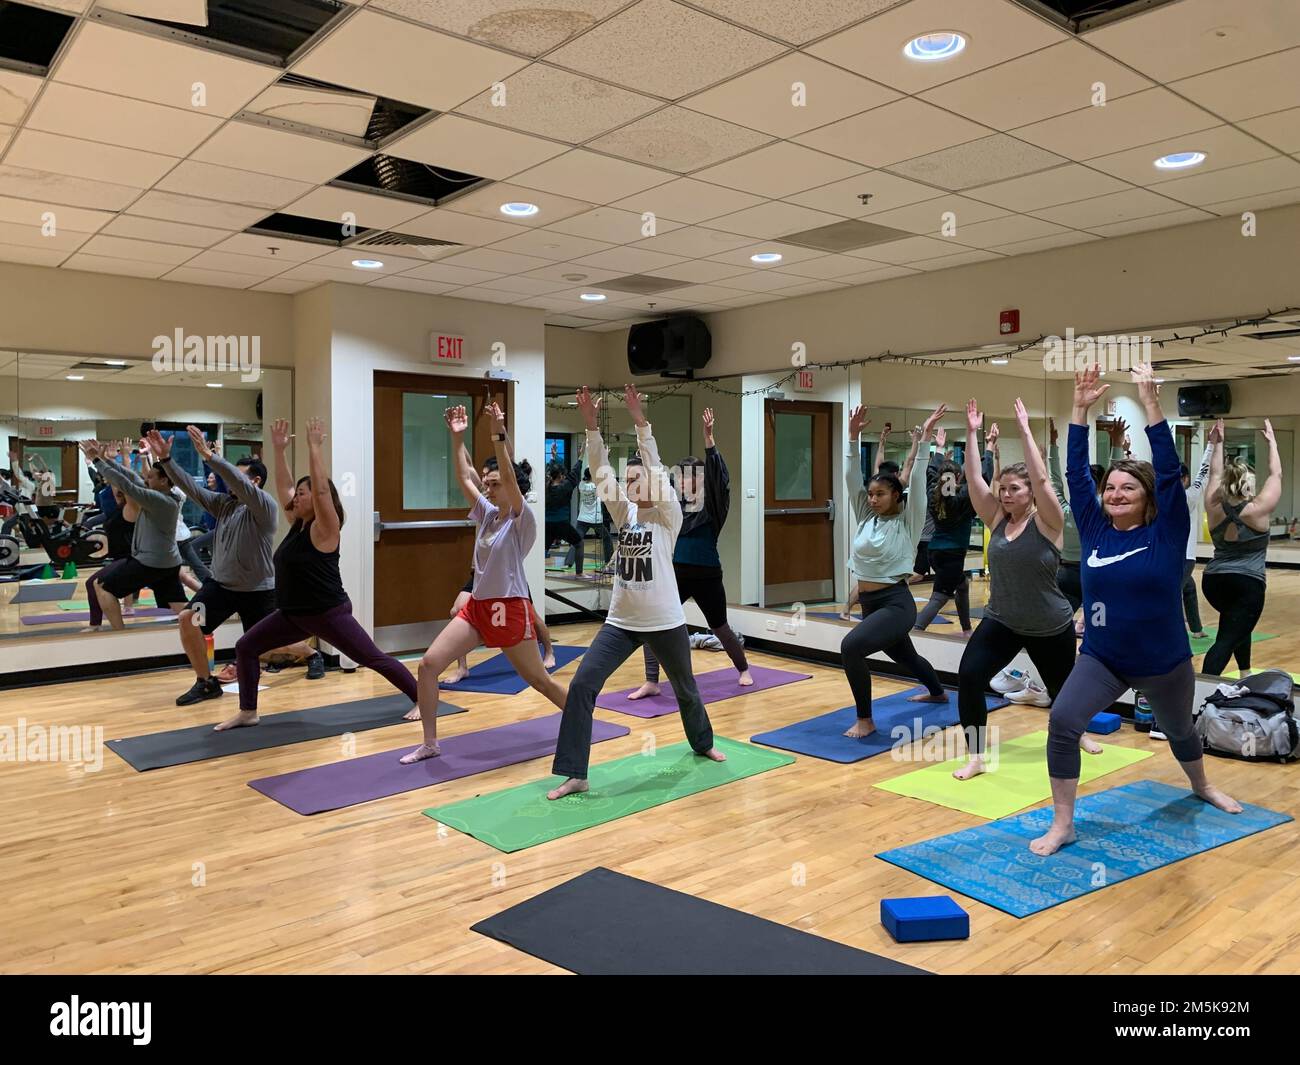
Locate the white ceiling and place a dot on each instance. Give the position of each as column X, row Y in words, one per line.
column 616, row 108
column 93, row 369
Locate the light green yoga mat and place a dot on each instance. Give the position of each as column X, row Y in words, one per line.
column 1200, row 646
column 521, row 817
column 84, row 604
column 1020, row 779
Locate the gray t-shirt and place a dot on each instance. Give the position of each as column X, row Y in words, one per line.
column 1246, row 555
column 153, row 543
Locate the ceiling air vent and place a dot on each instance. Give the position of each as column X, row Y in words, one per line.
column 406, row 179
column 299, row 228
column 29, row 37
column 643, row 283
column 1080, row 16
column 377, row 239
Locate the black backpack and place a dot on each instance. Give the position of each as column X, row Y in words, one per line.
column 1257, row 725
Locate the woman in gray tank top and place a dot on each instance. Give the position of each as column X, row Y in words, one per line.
column 1026, row 610
column 1239, row 519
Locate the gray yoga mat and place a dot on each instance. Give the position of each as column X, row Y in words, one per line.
column 199, row 743
column 44, row 593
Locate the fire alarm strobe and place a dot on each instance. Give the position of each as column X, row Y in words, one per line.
column 1009, row 322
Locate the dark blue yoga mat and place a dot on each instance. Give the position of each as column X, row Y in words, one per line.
column 498, row 676
column 1123, row 832
column 823, row 736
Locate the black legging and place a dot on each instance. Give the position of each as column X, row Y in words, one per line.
column 949, row 565
column 562, row 530
column 1070, row 583
column 704, row 585
column 1191, row 605
column 1239, row 599
column 602, row 529
column 888, row 617
column 990, row 650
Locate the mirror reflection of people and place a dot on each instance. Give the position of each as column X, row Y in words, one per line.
column 1240, row 517
column 560, row 485
column 590, row 515
column 1195, row 489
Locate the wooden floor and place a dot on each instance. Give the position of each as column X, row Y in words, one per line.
column 98, row 870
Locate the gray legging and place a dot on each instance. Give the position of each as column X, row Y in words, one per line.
column 191, row 557
column 612, row 647
column 1093, row 687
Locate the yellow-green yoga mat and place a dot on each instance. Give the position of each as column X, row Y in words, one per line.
column 523, row 816
column 1020, row 779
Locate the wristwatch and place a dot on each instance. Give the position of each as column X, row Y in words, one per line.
column 500, row 438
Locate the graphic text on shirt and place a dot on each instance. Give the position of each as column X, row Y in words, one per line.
column 636, row 553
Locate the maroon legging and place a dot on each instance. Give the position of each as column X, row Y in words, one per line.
column 97, row 611
column 336, row 626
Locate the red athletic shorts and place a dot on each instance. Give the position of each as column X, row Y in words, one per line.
column 501, row 622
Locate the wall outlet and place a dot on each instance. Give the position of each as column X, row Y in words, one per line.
column 771, row 624
column 750, row 493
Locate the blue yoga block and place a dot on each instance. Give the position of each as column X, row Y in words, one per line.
column 920, row 919
column 1104, row 723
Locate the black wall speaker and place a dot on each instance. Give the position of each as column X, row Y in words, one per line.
column 1204, row 401
column 668, row 346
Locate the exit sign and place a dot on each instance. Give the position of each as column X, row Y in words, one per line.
column 803, row 381
column 447, row 348
column 45, row 430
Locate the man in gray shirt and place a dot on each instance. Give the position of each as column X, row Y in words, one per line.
column 243, row 574
column 155, row 562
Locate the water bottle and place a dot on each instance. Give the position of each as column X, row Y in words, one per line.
column 1142, row 716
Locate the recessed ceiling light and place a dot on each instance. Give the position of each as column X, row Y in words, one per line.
column 1293, row 358
column 766, row 257
column 999, row 362
column 1180, row 160
column 519, row 210
column 933, row 47
column 367, row 264
column 76, row 377
column 114, row 362
column 592, row 297
column 215, row 384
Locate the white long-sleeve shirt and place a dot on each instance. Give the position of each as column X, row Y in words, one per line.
column 1195, row 503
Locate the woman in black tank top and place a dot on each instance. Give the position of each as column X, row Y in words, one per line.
column 309, row 594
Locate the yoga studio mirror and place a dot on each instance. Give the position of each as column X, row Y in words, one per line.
column 63, row 522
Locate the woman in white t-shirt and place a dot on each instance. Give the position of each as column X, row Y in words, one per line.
column 644, row 608
column 500, row 611
column 589, row 516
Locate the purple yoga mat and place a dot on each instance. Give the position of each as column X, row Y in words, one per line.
column 376, row 776
column 84, row 615
column 714, row 687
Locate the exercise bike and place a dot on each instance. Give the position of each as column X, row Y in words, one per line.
column 61, row 542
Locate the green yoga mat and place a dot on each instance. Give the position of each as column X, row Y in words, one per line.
column 1236, row 673
column 83, row 604
column 1020, row 779
column 1204, row 643
column 522, row 817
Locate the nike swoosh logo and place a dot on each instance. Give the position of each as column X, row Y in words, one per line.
column 1095, row 563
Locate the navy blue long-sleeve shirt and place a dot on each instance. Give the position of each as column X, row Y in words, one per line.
column 697, row 543
column 1132, row 581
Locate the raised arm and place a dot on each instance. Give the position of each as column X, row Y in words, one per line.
column 1051, row 518
column 1083, row 493
column 665, row 509
column 161, row 448
column 853, row 481
column 982, row 499
column 1173, row 518
column 924, row 436
column 607, row 486
column 325, row 526
column 512, row 500
column 457, row 419
column 284, row 483
column 1269, row 494
column 1054, row 466
column 717, row 479
column 880, row 448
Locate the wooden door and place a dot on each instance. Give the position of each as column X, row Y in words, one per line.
column 799, row 505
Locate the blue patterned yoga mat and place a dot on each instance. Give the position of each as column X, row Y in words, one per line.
column 1123, row 832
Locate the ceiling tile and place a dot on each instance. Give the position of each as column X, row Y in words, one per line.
column 1106, row 210
column 193, row 211
column 1124, row 123
column 231, row 263
column 1178, row 40
column 229, row 185
column 1250, row 179
column 679, row 140
column 790, row 253
column 995, row 32
column 129, row 267
column 443, row 224
column 485, row 295
column 1060, row 240
column 98, row 116
column 312, row 272
column 531, row 30
column 702, row 271
column 1257, row 87
column 557, row 272
column 779, row 170
column 280, row 284
column 87, row 159
column 977, row 162
column 880, row 273
column 32, row 256
column 343, row 111
column 451, row 275
column 33, row 213
column 247, row 146
column 902, row 130
column 498, row 262
column 930, row 216
column 765, row 281
column 372, row 211
column 827, row 267
column 138, row 250
column 549, row 244
column 610, row 225
column 694, row 242
column 1005, row 230
column 219, row 278
column 765, row 99
column 259, row 247
column 886, row 193
column 17, row 91
column 1223, row 146
column 393, row 58
column 662, row 48
column 1281, row 129
column 486, row 203
column 772, row 220
column 1063, row 184
column 913, row 249
column 26, row 234
column 558, row 103
column 628, row 260
column 472, row 147
column 1256, row 202
column 796, row 21
column 412, row 284
column 1037, row 86
column 592, row 177
column 393, row 263
column 1161, row 221
column 523, row 286
column 164, row 72
column 62, row 189
column 689, row 200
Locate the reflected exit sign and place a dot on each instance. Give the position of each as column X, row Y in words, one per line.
column 444, row 347
column 45, row 430
column 803, row 381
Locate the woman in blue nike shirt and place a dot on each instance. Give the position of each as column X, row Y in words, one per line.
column 1133, row 544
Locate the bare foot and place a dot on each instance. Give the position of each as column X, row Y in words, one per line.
column 569, row 787
column 1091, row 746
column 645, row 690
column 846, row 617
column 861, row 729
column 973, row 768
column 420, row 754
column 1078, row 627
column 548, row 660
column 1053, row 840
column 714, row 754
column 745, row 680
column 241, row 720
column 412, row 714
column 1215, row 797
column 227, row 674
column 454, row 677
column 928, row 698
column 966, row 634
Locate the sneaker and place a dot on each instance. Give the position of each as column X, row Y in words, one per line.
column 1156, row 734
column 209, row 688
column 316, row 666
column 272, row 667
column 1142, row 715
column 1030, row 695
column 1010, row 680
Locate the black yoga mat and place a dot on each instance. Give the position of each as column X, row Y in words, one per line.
column 197, row 744
column 44, row 593
column 603, row 923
